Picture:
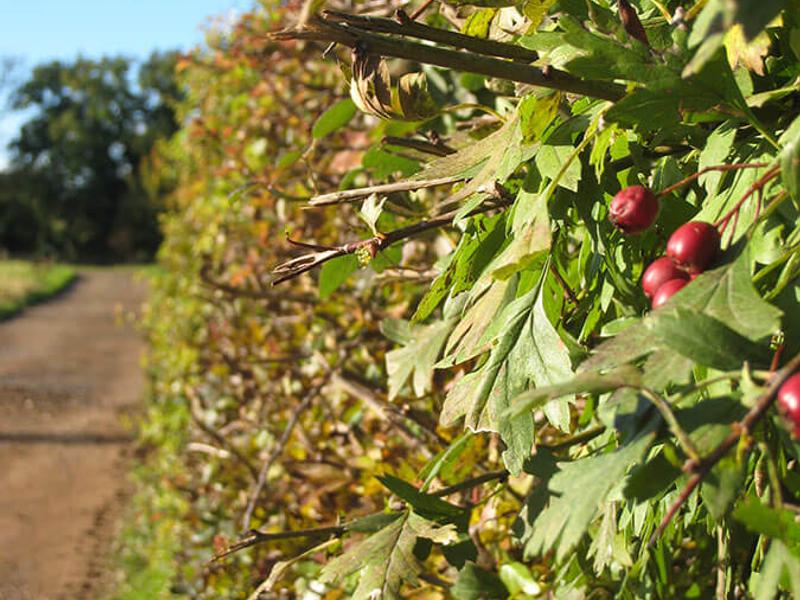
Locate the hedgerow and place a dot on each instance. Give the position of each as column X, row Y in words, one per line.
column 406, row 341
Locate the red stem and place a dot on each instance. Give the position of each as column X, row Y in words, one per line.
column 757, row 186
column 421, row 9
column 703, row 171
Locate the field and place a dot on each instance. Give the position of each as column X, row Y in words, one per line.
column 25, row 282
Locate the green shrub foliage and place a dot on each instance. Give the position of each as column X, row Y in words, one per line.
column 408, row 351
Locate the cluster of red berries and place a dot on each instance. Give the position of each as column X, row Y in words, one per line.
column 690, row 249
column 789, row 402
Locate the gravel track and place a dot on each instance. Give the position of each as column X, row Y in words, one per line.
column 69, row 370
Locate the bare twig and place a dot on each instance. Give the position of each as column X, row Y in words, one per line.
column 385, row 188
column 240, row 292
column 195, row 409
column 467, row 484
column 302, row 264
column 257, row 537
column 384, row 410
column 425, row 146
column 564, row 285
column 277, row 450
column 664, row 409
column 420, row 9
column 578, row 438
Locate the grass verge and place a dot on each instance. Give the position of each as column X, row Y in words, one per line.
column 23, row 283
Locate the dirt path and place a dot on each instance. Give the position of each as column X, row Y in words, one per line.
column 68, row 369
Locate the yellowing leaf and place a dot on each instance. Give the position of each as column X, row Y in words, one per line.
column 749, row 55
column 536, row 10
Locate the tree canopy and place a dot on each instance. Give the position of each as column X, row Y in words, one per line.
column 74, row 185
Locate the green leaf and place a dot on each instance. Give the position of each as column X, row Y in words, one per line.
column 536, row 114
column 717, row 148
column 519, row 580
column 333, row 119
column 728, row 295
column 632, row 343
column 372, row 523
column 482, row 239
column 708, row 422
column 446, row 459
column 722, row 486
column 651, row 479
column 725, row 294
column 474, row 583
column 383, row 164
column 576, row 493
column 704, row 339
column 775, row 523
column 583, row 383
column 335, row 272
column 755, row 16
column 426, row 505
column 781, row 566
column 550, row 159
column 385, row 560
column 417, row 357
column 790, row 160
column 527, row 352
column 536, row 10
column 477, row 24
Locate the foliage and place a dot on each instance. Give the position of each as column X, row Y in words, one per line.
column 470, row 397
column 74, row 186
column 23, row 283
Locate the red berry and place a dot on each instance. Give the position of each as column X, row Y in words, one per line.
column 660, row 272
column 667, row 290
column 789, row 401
column 694, row 245
column 633, row 209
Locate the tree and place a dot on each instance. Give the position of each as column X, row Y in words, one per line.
column 76, row 162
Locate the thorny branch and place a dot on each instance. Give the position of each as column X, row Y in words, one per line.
column 301, row 264
column 403, row 25
column 325, row 29
column 700, row 469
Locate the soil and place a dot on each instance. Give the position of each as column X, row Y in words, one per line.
column 69, row 371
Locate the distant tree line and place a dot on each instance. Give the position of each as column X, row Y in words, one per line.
column 74, row 188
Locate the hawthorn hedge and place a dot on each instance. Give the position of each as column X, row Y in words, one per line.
column 400, row 349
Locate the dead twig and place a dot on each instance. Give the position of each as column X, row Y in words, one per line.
column 196, row 411
column 277, row 450
column 406, row 185
column 302, row 264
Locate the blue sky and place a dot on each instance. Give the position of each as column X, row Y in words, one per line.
column 33, row 31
